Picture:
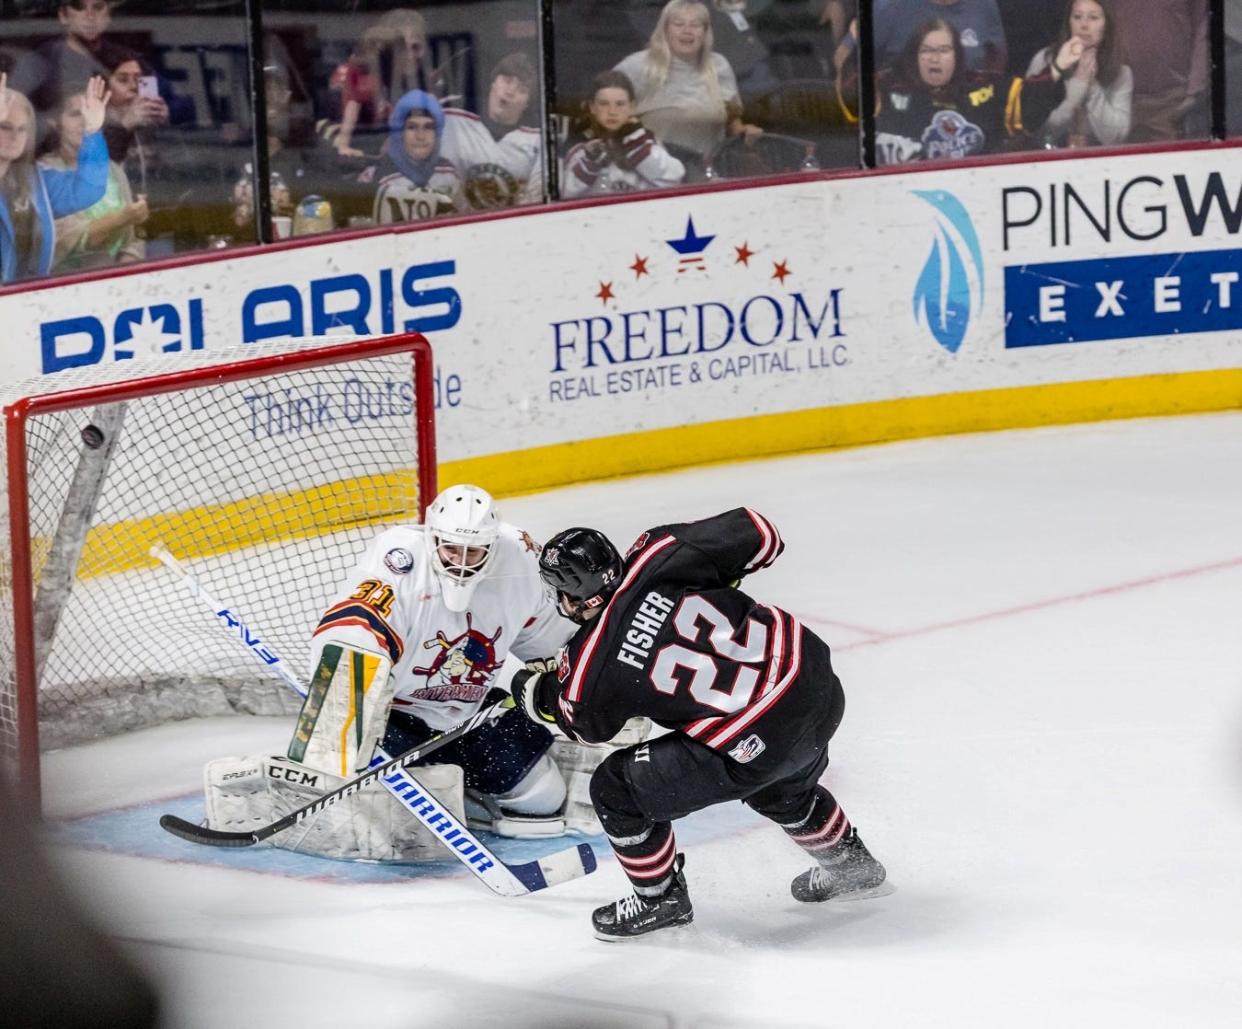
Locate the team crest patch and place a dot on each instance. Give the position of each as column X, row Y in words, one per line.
column 399, row 560
column 489, row 186
column 748, row 749
column 527, row 541
column 562, row 665
column 950, row 135
column 638, row 544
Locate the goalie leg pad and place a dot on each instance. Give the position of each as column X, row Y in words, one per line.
column 345, row 711
column 531, row 809
column 246, row 793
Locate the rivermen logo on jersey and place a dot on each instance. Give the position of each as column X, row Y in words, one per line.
column 751, row 305
column 463, row 668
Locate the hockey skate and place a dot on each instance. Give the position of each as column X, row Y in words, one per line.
column 636, row 916
column 846, row 872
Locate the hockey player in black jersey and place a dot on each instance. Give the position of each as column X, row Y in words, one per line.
column 749, row 693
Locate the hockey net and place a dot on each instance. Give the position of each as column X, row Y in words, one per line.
column 266, row 469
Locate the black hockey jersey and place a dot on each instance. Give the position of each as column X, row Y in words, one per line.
column 678, row 643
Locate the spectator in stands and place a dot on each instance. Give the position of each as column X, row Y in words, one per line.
column 930, row 107
column 1086, row 56
column 977, row 22
column 417, row 184
column 735, row 39
column 105, row 233
column 31, row 197
column 390, row 59
column 300, row 165
column 686, row 92
column 617, row 154
column 1165, row 45
column 70, row 59
column 135, row 111
column 498, row 157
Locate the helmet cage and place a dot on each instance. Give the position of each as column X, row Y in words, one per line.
column 462, row 530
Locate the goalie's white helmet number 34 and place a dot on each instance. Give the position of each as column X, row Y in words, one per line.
column 462, row 528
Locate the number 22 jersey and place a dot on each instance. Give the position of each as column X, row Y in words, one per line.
column 678, row 643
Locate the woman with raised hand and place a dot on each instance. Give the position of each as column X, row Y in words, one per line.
column 1099, row 88
column 32, row 197
column 107, row 232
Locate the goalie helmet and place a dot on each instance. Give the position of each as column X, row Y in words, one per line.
column 462, row 529
column 584, row 568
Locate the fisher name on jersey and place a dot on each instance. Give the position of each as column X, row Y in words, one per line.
column 444, row 662
column 678, row 643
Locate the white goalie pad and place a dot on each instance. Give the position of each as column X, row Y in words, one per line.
column 577, row 762
column 345, row 712
column 246, row 793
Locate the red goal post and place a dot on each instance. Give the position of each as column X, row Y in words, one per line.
column 266, row 467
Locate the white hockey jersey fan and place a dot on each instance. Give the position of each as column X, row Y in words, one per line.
column 444, row 661
column 496, row 173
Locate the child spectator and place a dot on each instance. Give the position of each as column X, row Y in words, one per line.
column 929, row 107
column 31, row 198
column 686, row 92
column 1086, row 57
column 106, row 232
column 417, row 184
column 498, row 158
column 617, row 154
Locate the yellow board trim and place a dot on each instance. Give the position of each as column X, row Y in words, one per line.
column 849, row 425
column 202, row 532
column 208, row 530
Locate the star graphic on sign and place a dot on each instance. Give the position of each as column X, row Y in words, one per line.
column 145, row 336
column 744, row 254
column 780, row 270
column 639, row 267
column 605, row 292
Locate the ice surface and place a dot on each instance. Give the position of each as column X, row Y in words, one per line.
column 1038, row 636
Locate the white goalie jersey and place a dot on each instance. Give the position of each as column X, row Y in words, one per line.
column 443, row 661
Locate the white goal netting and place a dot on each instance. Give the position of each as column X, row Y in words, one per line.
column 268, row 488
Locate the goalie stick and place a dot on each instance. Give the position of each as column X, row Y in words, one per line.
column 507, row 880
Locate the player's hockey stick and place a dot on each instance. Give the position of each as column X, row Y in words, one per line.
column 506, row 880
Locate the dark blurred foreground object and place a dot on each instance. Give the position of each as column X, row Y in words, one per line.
column 56, row 970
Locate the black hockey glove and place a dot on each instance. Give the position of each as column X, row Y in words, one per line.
column 527, row 692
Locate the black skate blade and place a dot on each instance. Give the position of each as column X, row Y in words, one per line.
column 883, row 890
column 672, row 931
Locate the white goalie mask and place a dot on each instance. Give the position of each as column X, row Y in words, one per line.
column 462, row 529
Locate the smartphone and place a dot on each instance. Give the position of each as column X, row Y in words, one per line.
column 148, row 87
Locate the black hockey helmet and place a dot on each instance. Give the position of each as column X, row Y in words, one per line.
column 583, row 567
